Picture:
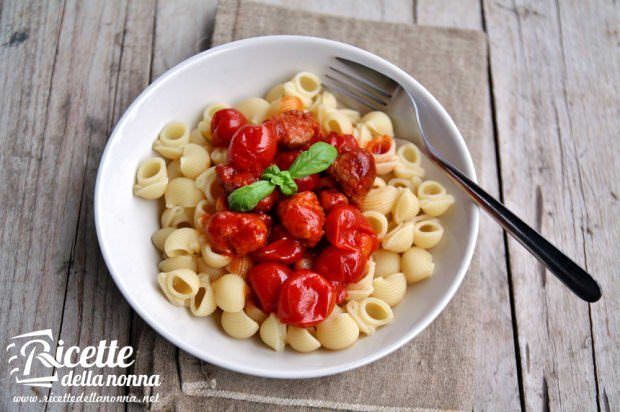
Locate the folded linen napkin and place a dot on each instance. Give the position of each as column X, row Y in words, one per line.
column 436, row 370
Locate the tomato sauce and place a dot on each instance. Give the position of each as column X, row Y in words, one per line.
column 307, row 247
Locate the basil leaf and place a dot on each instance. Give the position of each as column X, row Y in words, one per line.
column 287, row 186
column 314, row 160
column 271, row 172
column 247, row 197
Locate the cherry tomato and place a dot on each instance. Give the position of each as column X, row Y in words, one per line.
column 282, row 250
column 267, row 203
column 295, row 129
column 278, row 232
column 340, row 265
column 303, row 217
column 330, row 198
column 252, row 148
column 224, row 124
column 306, row 299
column 342, row 142
column 232, row 178
column 284, row 160
column 379, row 145
column 355, row 172
column 342, row 225
column 235, row 233
column 266, row 280
column 340, row 291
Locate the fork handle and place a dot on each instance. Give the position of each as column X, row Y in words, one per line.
column 573, row 276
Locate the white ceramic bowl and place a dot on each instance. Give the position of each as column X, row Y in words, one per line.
column 228, row 73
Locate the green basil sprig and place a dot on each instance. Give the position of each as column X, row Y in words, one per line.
column 314, row 160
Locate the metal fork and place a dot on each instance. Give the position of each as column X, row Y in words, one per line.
column 377, row 91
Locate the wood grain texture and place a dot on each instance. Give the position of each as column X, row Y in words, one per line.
column 114, row 72
column 557, row 121
column 497, row 386
column 33, row 179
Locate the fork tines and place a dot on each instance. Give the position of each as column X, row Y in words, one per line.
column 360, row 83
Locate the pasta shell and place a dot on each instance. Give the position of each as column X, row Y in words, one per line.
column 391, row 289
column 203, row 303
column 375, row 312
column 380, row 200
column 219, row 155
column 162, row 280
column 378, row 182
column 427, row 233
column 151, row 178
column 400, row 238
column 417, row 264
column 240, row 265
column 409, row 154
column 194, row 160
column 301, row 339
column 230, row 291
column 401, row 183
column 207, row 183
column 238, row 324
column 178, row 262
column 196, row 136
column 254, row 109
column 337, row 121
column 362, row 134
column 307, row 83
column 378, row 222
column 386, row 262
column 364, row 287
column 254, row 311
column 353, row 309
column 177, row 216
column 182, row 283
column 214, row 259
column 174, row 169
column 406, row 207
column 338, row 332
column 211, row 109
column 273, row 333
column 182, row 241
column 182, row 192
column 275, row 92
column 379, row 123
column 436, row 205
column 159, row 237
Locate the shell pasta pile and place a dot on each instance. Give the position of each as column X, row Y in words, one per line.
column 291, row 217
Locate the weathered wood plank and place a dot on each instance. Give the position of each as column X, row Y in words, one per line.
column 400, row 11
column 462, row 14
column 590, row 67
column 33, row 267
column 94, row 309
column 553, row 115
column 497, row 386
column 181, row 30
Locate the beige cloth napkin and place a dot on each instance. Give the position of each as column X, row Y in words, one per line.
column 435, row 370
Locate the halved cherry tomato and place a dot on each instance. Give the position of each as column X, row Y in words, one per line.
column 266, row 280
column 278, row 232
column 303, row 217
column 340, row 265
column 342, row 225
column 342, row 142
column 282, row 250
column 235, row 233
column 330, row 198
column 306, row 299
column 252, row 148
column 224, row 124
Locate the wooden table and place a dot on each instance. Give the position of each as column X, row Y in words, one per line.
column 70, row 68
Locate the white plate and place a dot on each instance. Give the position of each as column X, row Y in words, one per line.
column 228, row 73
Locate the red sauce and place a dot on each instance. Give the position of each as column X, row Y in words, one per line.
column 306, row 248
column 379, row 145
